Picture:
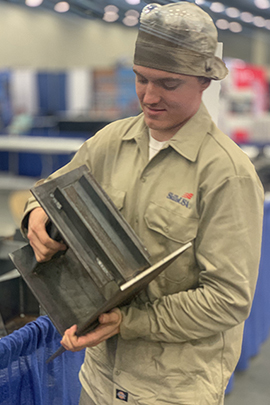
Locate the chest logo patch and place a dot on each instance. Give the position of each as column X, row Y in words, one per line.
column 184, row 200
column 122, row 395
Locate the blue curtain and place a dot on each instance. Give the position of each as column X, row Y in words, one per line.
column 26, row 379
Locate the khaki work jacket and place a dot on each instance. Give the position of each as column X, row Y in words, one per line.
column 180, row 340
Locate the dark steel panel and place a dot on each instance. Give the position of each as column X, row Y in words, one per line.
column 105, row 260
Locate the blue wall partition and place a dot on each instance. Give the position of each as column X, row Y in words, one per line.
column 52, row 92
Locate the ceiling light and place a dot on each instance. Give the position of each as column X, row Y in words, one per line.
column 232, row 12
column 259, row 21
column 33, row 3
column 130, row 21
column 267, row 24
column 62, row 7
column 110, row 16
column 217, row 7
column 199, row 2
column 133, row 2
column 262, row 3
column 133, row 13
column 222, row 24
column 247, row 17
column 112, row 8
column 235, row 27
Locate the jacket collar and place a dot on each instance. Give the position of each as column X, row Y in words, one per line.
column 187, row 141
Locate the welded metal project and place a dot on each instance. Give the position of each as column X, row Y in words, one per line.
column 105, row 263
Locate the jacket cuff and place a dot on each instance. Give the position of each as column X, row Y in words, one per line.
column 30, row 205
column 135, row 323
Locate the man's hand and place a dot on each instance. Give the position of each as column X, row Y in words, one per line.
column 109, row 326
column 44, row 247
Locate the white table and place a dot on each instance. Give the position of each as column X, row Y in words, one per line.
column 46, row 146
column 39, row 144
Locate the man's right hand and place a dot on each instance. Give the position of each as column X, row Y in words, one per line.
column 44, row 247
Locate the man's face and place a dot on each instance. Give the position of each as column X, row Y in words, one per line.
column 168, row 100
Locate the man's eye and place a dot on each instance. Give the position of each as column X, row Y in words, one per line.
column 141, row 80
column 170, row 86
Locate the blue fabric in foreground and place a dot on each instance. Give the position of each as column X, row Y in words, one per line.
column 26, row 379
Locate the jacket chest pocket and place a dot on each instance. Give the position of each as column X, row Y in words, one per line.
column 170, row 231
column 170, row 224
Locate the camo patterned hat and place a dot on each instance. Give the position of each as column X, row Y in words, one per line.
column 178, row 38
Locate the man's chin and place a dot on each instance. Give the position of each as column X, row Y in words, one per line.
column 152, row 123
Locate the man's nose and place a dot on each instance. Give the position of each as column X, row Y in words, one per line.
column 151, row 94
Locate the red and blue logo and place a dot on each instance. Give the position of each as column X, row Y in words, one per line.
column 183, row 200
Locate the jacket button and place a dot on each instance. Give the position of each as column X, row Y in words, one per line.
column 117, row 372
column 143, row 179
column 166, row 229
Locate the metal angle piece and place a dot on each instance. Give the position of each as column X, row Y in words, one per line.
column 105, row 264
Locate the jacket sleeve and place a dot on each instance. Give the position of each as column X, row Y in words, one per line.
column 227, row 250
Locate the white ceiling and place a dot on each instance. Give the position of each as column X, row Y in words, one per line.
column 94, row 9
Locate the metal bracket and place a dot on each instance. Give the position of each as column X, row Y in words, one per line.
column 100, row 268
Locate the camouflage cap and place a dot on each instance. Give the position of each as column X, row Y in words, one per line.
column 178, row 38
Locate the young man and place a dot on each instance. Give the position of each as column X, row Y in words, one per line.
column 176, row 178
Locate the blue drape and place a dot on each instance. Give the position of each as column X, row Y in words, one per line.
column 26, row 379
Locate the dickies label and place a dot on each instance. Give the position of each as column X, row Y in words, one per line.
column 122, row 395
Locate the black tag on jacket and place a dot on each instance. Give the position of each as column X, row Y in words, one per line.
column 122, row 395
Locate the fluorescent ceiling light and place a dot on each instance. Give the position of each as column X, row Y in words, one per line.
column 133, row 2
column 232, row 12
column 62, row 7
column 263, row 4
column 33, row 3
column 112, row 8
column 130, row 21
column 217, row 7
column 267, row 24
column 110, row 16
column 235, row 27
column 222, row 24
column 247, row 17
column 133, row 13
column 259, row 21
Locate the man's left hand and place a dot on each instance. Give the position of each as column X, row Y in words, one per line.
column 109, row 325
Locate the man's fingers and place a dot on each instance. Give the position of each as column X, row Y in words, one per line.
column 44, row 247
column 110, row 317
column 69, row 340
column 109, row 326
